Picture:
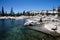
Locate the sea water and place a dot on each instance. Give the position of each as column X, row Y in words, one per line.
column 15, row 30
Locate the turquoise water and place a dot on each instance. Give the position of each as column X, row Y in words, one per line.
column 15, row 30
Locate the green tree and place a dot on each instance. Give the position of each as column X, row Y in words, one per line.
column 28, row 13
column 24, row 12
column 11, row 12
column 17, row 14
column 2, row 11
column 58, row 11
column 53, row 12
column 59, row 14
column 6, row 13
column 21, row 14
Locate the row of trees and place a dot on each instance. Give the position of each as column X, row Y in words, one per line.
column 3, row 13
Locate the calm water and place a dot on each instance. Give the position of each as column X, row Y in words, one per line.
column 14, row 30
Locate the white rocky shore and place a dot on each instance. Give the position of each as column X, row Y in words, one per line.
column 36, row 19
column 51, row 25
column 10, row 17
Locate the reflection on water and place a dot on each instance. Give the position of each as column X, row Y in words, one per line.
column 14, row 30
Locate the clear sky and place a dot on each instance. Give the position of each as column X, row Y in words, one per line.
column 21, row 5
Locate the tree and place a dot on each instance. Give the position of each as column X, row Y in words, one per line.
column 6, row 13
column 18, row 14
column 53, row 13
column 59, row 11
column 2, row 11
column 28, row 13
column 11, row 12
column 24, row 12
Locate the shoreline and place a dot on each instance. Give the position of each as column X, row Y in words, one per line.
column 11, row 17
column 18, row 17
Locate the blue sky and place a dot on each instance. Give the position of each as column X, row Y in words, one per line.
column 21, row 5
